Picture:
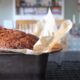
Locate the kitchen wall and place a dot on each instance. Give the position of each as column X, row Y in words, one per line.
column 71, row 8
column 6, row 10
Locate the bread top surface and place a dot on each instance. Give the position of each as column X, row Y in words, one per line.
column 16, row 39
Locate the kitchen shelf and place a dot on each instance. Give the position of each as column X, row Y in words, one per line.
column 26, row 10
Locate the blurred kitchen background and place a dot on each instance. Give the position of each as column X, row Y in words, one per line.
column 16, row 9
column 13, row 10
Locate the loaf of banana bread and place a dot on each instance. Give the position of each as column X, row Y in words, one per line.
column 16, row 39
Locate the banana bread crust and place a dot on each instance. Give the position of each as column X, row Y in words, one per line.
column 16, row 39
